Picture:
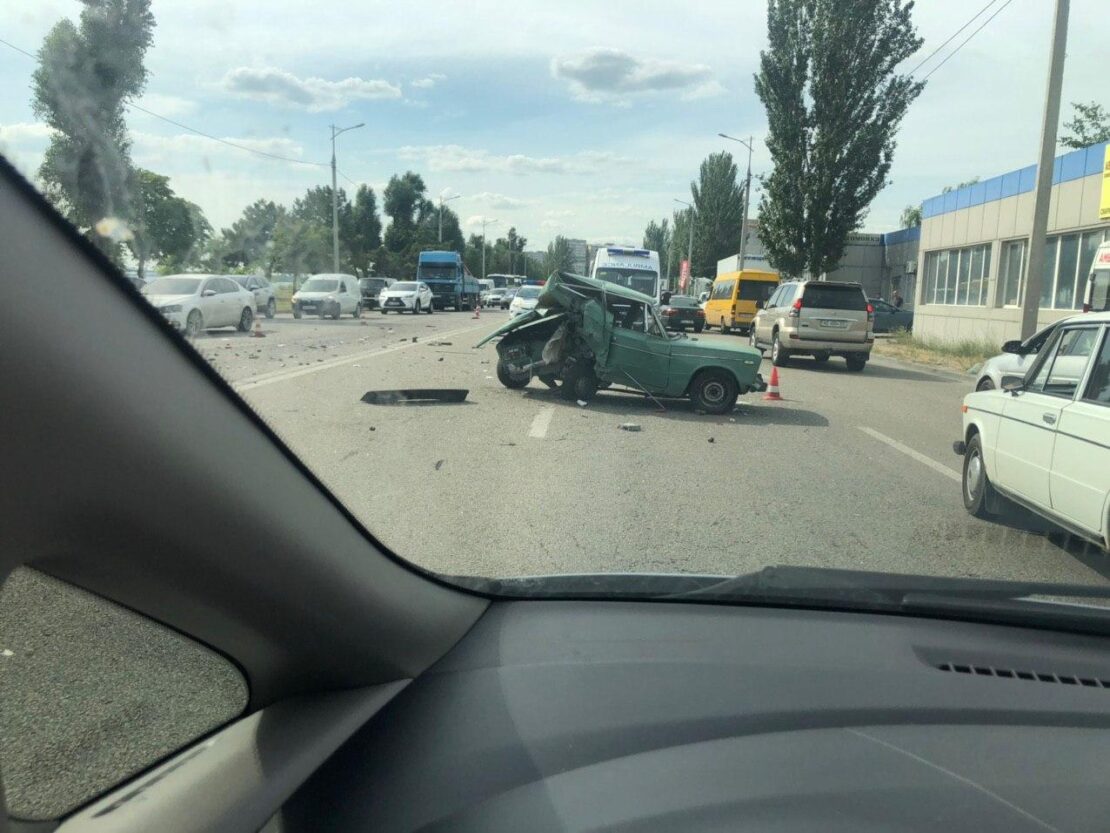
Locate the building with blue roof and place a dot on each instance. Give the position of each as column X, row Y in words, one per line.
column 974, row 242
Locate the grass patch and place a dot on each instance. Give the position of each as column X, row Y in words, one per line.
column 954, row 355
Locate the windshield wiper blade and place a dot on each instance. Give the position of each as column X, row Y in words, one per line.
column 775, row 583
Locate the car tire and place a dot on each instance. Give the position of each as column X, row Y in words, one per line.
column 753, row 342
column 698, row 328
column 821, row 358
column 725, row 328
column 579, row 383
column 338, row 312
column 194, row 324
column 246, row 318
column 714, row 391
column 986, row 383
column 296, row 312
column 431, row 307
column 856, row 363
column 779, row 354
column 978, row 493
column 508, row 379
column 550, row 380
column 358, row 311
column 416, row 307
column 271, row 308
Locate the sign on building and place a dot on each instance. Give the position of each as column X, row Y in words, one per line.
column 684, row 276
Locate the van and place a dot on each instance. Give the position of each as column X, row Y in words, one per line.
column 636, row 269
column 1097, row 296
column 733, row 300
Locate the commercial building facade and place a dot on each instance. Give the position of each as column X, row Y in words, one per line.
column 975, row 244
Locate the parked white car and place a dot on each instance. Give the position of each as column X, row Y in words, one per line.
column 406, row 296
column 328, row 295
column 524, row 300
column 265, row 302
column 194, row 303
column 1045, row 444
column 1011, row 365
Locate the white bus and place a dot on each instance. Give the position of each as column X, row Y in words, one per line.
column 636, row 269
column 1097, row 296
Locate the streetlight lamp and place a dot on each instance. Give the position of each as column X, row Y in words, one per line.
column 690, row 244
column 747, row 195
column 335, row 131
column 442, row 200
column 485, row 222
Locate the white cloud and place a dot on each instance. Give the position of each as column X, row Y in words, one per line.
column 429, row 81
column 152, row 146
column 315, row 95
column 500, row 201
column 168, row 105
column 459, row 159
column 25, row 133
column 605, row 74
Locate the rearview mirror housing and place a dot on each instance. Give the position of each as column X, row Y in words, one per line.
column 208, row 293
column 1013, row 346
column 759, row 305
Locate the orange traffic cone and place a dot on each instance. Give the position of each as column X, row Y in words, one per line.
column 258, row 330
column 772, row 393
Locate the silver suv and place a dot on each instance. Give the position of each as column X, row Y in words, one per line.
column 816, row 318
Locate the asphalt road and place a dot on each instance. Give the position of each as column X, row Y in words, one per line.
column 852, row 470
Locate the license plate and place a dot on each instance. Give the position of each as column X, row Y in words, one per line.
column 834, row 324
column 308, row 306
column 394, row 302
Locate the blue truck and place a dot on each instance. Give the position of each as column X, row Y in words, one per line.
column 451, row 283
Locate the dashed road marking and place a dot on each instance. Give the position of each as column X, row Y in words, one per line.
column 541, row 423
column 909, row 452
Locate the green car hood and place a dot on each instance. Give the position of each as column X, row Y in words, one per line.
column 530, row 317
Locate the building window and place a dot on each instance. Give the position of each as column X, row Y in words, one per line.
column 1012, row 270
column 958, row 276
column 1067, row 263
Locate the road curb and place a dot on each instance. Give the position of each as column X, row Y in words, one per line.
column 944, row 373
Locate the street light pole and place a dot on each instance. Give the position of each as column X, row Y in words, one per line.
column 335, row 197
column 485, row 222
column 747, row 195
column 441, row 202
column 690, row 244
column 1034, row 270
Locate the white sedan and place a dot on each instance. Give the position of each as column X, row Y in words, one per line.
column 406, row 296
column 1045, row 444
column 524, row 300
column 1011, row 365
column 194, row 303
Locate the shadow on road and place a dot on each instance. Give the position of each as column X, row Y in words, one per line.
column 749, row 410
column 837, row 367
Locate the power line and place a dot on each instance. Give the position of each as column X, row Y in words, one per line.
column 227, row 142
column 969, row 37
column 345, row 176
column 952, row 37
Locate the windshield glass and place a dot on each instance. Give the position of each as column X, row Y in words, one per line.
column 434, row 271
column 568, row 144
column 172, row 286
column 637, row 279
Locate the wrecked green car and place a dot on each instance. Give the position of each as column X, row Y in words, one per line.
column 586, row 334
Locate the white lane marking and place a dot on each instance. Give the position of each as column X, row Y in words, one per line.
column 294, row 373
column 541, row 423
column 909, row 452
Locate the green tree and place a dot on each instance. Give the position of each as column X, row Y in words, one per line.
column 680, row 247
column 834, row 102
column 559, row 256
column 364, row 232
column 514, row 245
column 911, row 216
column 949, row 188
column 1089, row 125
column 404, row 204
column 249, row 241
column 86, row 74
column 658, row 238
column 166, row 227
column 301, row 247
column 719, row 209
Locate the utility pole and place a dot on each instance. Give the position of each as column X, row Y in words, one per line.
column 485, row 222
column 441, row 202
column 1034, row 270
column 747, row 195
column 690, row 245
column 335, row 197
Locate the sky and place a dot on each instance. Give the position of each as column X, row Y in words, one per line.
column 576, row 118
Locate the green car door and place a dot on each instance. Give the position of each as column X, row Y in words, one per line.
column 640, row 355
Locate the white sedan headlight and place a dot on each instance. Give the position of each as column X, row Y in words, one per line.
column 170, row 308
